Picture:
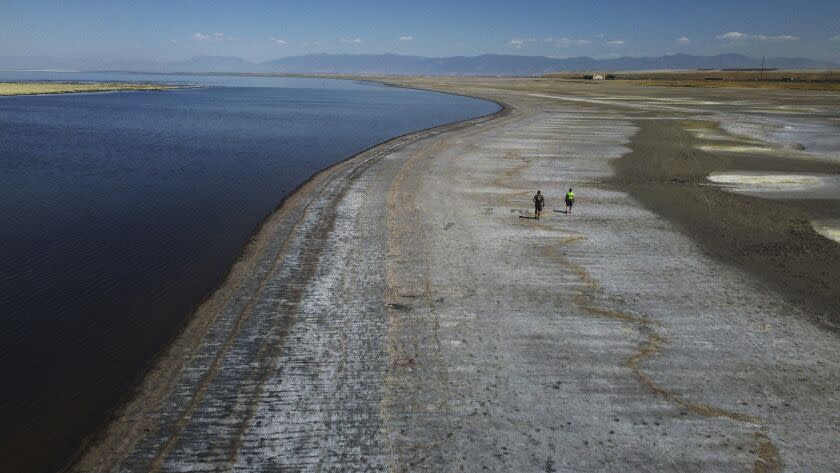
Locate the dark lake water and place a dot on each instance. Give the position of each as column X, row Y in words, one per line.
column 120, row 212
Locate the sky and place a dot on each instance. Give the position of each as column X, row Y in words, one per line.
column 263, row 30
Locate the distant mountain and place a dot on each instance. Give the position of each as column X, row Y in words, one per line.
column 488, row 64
column 352, row 63
column 210, row 64
column 498, row 64
column 34, row 62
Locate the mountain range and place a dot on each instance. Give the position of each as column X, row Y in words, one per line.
column 488, row 64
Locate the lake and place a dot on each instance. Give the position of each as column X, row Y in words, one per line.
column 120, row 212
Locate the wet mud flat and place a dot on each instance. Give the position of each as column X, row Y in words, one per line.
column 773, row 239
column 405, row 312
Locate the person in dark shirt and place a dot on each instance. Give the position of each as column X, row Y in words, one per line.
column 538, row 204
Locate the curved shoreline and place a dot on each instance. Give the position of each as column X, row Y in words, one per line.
column 161, row 372
column 406, row 311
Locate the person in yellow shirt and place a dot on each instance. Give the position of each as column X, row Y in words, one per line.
column 570, row 200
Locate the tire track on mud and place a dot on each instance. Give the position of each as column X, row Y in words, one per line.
column 311, row 255
column 405, row 344
column 201, row 390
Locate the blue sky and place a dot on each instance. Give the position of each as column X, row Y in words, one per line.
column 261, row 30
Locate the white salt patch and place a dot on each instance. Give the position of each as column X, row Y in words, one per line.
column 767, row 182
column 828, row 228
column 705, row 134
column 818, row 137
column 737, row 149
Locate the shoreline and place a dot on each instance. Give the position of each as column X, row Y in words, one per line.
column 380, row 326
column 165, row 364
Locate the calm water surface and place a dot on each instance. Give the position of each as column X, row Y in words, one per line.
column 120, row 212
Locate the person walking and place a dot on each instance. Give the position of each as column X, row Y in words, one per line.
column 570, row 200
column 538, row 204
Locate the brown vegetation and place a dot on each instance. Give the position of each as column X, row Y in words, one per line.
column 34, row 88
column 775, row 79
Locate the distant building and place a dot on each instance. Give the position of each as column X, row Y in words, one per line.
column 598, row 77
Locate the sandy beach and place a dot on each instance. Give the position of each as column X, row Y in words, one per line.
column 403, row 311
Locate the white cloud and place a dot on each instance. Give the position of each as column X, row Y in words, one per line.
column 407, row 37
column 738, row 36
column 278, row 41
column 683, row 40
column 518, row 43
column 835, row 38
column 566, row 42
column 616, row 42
column 733, row 35
column 599, row 36
column 211, row 37
column 351, row 40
